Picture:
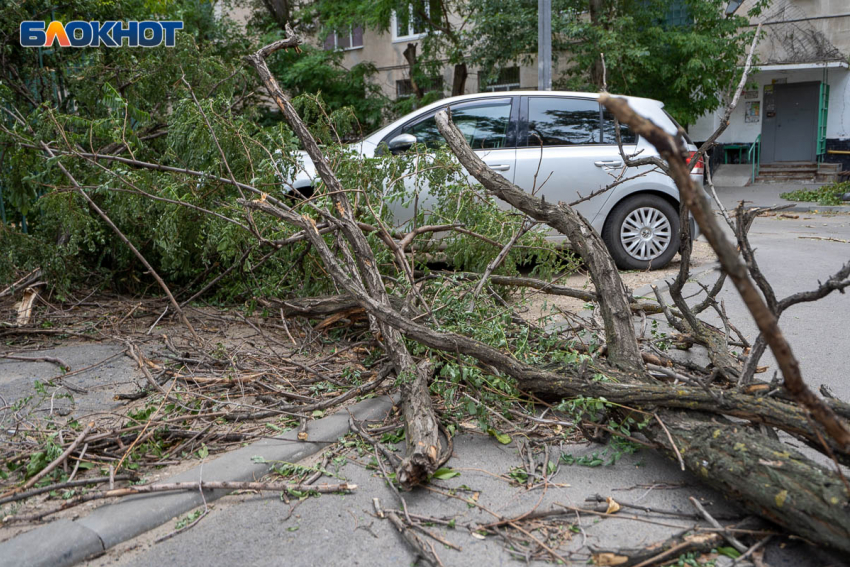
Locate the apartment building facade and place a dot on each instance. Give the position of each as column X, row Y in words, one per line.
column 795, row 107
column 386, row 50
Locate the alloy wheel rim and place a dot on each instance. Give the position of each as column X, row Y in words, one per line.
column 645, row 233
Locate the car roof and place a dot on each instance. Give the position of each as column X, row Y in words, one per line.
column 503, row 94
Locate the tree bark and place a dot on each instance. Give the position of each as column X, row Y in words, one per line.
column 769, row 478
column 459, row 79
column 410, row 57
column 279, row 10
column 421, row 431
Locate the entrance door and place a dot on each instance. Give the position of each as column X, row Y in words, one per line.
column 789, row 132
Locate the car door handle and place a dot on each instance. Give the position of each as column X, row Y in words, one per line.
column 500, row 167
column 612, row 163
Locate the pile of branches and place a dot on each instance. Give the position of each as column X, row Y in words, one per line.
column 717, row 421
column 694, row 416
column 193, row 400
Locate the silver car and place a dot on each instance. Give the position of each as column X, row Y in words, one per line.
column 562, row 146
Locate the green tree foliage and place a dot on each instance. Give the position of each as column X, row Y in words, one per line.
column 131, row 101
column 135, row 103
column 682, row 52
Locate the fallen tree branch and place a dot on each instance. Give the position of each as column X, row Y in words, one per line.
column 732, row 264
column 684, row 542
column 59, row 460
column 620, row 335
column 733, row 541
column 63, row 366
column 62, row 486
column 361, row 275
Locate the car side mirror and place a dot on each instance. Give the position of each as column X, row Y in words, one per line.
column 402, row 143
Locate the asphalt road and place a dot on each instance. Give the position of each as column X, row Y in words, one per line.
column 794, row 255
column 341, row 530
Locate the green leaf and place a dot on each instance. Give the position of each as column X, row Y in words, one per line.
column 445, row 473
column 502, row 438
column 729, row 552
column 203, row 452
column 318, row 413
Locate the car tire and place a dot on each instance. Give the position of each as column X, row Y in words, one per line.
column 642, row 232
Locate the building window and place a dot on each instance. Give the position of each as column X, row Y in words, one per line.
column 404, row 88
column 408, row 25
column 346, row 39
column 506, row 80
column 678, row 15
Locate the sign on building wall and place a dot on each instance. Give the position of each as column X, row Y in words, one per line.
column 753, row 111
column 754, row 94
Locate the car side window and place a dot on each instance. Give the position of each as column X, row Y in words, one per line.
column 555, row 121
column 426, row 132
column 484, row 124
column 609, row 134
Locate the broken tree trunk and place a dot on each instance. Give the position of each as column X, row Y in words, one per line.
column 421, row 431
column 768, row 477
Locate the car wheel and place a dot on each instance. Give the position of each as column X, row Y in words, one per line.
column 642, row 232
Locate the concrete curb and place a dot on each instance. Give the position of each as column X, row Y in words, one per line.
column 67, row 542
column 818, row 209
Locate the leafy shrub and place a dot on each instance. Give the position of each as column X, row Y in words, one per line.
column 826, row 195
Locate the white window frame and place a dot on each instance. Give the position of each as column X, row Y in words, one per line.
column 504, row 87
column 410, row 36
column 335, row 35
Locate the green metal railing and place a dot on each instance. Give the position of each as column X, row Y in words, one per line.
column 823, row 113
column 754, row 156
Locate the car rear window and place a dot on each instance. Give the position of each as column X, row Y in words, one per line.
column 555, row 121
